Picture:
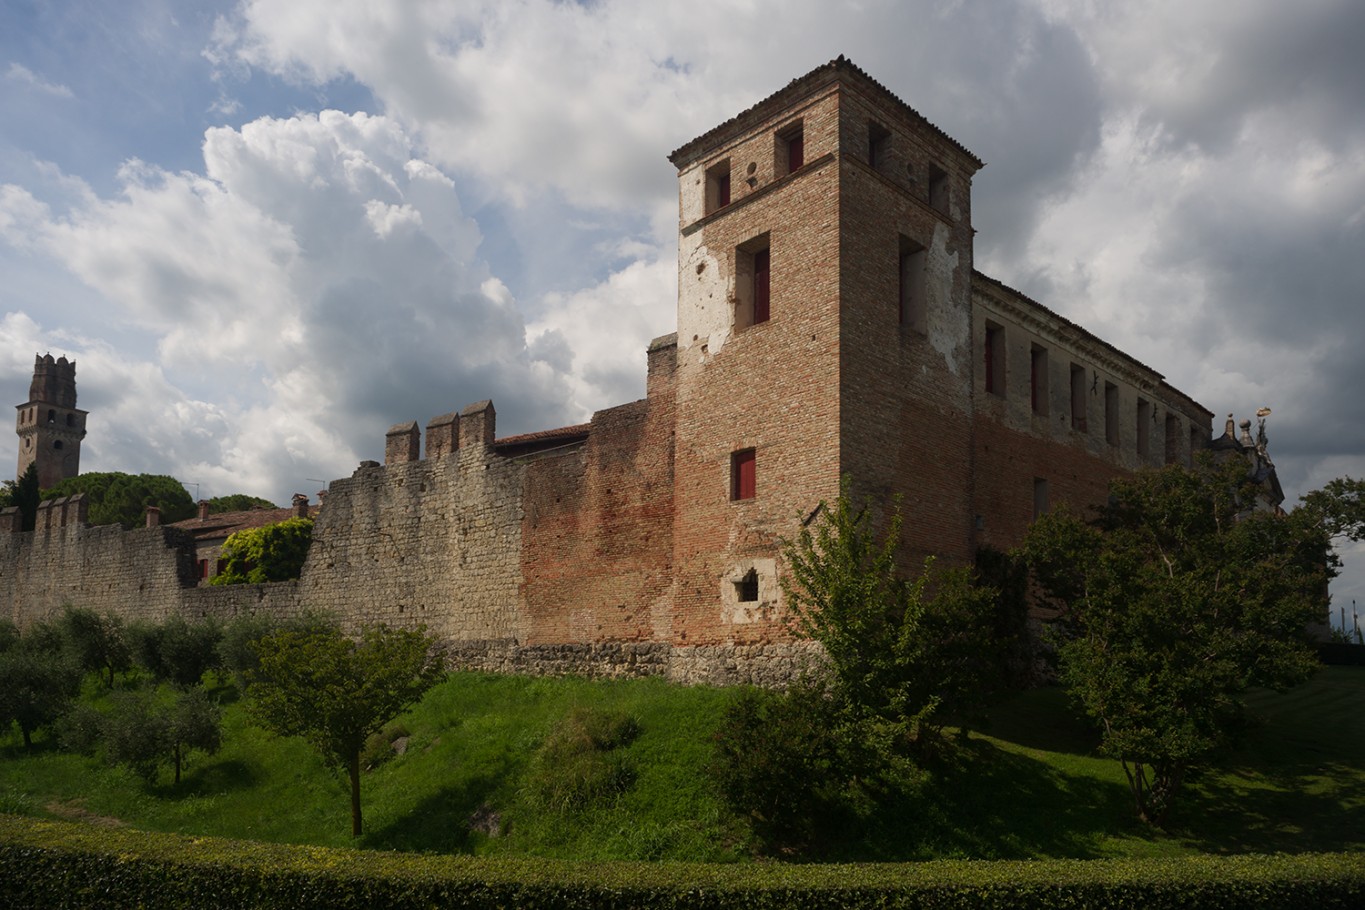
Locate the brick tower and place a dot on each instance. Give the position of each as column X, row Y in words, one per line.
column 50, row 426
column 824, row 328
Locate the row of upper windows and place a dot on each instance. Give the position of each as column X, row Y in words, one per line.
column 753, row 283
column 789, row 155
column 30, row 416
column 994, row 353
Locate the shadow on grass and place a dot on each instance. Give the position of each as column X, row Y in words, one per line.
column 986, row 803
column 441, row 822
column 211, row 780
column 1288, row 809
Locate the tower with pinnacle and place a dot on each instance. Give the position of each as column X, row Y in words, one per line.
column 50, row 426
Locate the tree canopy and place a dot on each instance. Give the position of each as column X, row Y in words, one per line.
column 335, row 691
column 1174, row 601
column 118, row 498
column 24, row 495
column 238, row 502
column 271, row 553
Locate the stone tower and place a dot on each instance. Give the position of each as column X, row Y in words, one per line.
column 50, row 426
column 824, row 328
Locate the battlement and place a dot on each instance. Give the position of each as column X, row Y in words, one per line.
column 54, row 381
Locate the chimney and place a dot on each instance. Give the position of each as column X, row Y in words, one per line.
column 203, row 510
column 300, row 505
column 153, row 517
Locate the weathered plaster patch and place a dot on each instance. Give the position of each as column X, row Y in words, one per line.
column 704, row 290
column 949, row 326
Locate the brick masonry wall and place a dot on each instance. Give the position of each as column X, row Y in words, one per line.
column 771, row 387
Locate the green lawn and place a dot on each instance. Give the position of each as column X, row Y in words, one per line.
column 1029, row 786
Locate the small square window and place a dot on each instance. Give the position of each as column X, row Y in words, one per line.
column 746, row 589
column 743, row 481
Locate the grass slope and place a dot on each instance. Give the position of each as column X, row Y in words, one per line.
column 1030, row 787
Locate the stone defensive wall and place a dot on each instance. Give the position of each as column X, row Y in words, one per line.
column 548, row 552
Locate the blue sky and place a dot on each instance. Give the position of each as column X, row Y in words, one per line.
column 268, row 230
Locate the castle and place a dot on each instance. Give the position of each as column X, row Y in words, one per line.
column 830, row 322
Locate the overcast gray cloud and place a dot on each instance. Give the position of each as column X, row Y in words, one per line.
column 288, row 225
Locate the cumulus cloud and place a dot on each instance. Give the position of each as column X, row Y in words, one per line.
column 318, row 278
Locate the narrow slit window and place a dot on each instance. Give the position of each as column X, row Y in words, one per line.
column 995, row 359
column 1038, row 391
column 1172, row 439
column 1078, row 398
column 1111, row 413
column 1144, row 427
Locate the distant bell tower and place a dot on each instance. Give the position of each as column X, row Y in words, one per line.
column 50, row 426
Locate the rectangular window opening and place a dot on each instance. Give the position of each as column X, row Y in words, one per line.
column 753, row 285
column 1038, row 392
column 878, row 146
column 746, row 589
column 1144, row 428
column 1039, row 497
column 1197, row 442
column 938, row 188
column 1111, row 413
column 1078, row 398
column 995, row 359
column 1172, row 439
column 718, row 186
column 742, row 475
column 913, row 305
column 791, row 150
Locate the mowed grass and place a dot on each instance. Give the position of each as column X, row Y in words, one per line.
column 1030, row 785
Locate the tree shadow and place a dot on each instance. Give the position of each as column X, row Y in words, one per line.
column 1043, row 719
column 211, row 780
column 1293, row 808
column 442, row 821
column 986, row 803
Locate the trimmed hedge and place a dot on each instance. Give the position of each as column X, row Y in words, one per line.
column 67, row 864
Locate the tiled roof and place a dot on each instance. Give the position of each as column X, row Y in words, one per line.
column 219, row 526
column 782, row 98
column 542, row 439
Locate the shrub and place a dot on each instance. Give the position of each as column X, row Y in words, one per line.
column 580, row 764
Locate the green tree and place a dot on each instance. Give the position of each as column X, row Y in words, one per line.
column 38, row 680
column 176, row 651
column 271, row 553
column 118, row 498
column 1173, row 602
column 238, row 502
column 902, row 653
column 335, row 691
column 24, row 495
column 237, row 648
column 98, row 642
column 144, row 731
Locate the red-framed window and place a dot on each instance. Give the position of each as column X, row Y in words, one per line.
column 743, row 478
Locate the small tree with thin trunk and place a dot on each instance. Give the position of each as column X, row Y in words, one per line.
column 335, row 691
